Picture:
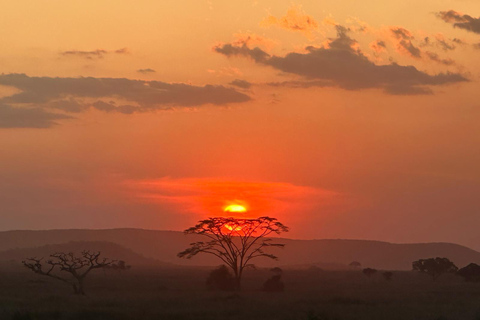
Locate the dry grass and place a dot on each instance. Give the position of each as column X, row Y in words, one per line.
column 181, row 294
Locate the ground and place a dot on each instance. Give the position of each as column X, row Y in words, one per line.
column 178, row 294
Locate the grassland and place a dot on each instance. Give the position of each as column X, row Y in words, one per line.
column 179, row 294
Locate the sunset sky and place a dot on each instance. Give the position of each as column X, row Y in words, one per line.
column 343, row 119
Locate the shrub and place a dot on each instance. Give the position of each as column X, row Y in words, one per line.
column 369, row 272
column 470, row 273
column 388, row 275
column 221, row 279
column 274, row 284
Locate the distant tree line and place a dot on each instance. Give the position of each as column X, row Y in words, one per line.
column 433, row 267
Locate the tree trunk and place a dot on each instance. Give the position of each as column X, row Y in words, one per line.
column 238, row 284
column 78, row 288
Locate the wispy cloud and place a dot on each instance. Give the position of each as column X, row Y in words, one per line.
column 294, row 20
column 146, row 71
column 93, row 54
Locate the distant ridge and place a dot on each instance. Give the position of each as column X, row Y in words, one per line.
column 164, row 245
column 108, row 250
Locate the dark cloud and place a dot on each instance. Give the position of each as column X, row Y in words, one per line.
column 11, row 117
column 241, row 83
column 94, row 54
column 74, row 95
column 445, row 45
column 404, row 38
column 434, row 57
column 462, row 21
column 147, row 94
column 145, row 71
column 256, row 53
column 341, row 64
column 441, row 42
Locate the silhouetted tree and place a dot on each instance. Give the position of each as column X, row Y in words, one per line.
column 388, row 275
column 221, row 279
column 235, row 241
column 77, row 266
column 369, row 272
column 274, row 284
column 355, row 265
column 434, row 267
column 470, row 273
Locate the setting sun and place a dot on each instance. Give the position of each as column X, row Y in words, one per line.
column 235, row 208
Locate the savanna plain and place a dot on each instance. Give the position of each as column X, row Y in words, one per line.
column 181, row 293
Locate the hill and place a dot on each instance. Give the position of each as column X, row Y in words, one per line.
column 109, row 250
column 164, row 245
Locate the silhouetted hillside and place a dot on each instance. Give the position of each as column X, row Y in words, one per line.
column 164, row 246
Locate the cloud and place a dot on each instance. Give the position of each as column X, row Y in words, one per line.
column 404, row 42
column 434, row 57
column 343, row 65
column 441, row 42
column 94, row 54
column 11, row 117
column 74, row 95
column 145, row 71
column 459, row 20
column 147, row 94
column 122, row 51
column 294, row 20
column 378, row 46
column 241, row 83
column 301, row 84
column 256, row 53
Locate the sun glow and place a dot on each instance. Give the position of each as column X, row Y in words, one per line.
column 235, row 208
column 233, row 227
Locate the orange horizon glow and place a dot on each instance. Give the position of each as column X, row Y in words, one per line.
column 217, row 197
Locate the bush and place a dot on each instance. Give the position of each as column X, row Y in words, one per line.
column 388, row 275
column 470, row 273
column 274, row 284
column 221, row 279
column 369, row 272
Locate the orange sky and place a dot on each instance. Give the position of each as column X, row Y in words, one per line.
column 344, row 119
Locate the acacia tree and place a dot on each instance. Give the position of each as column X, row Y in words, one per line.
column 235, row 241
column 77, row 266
column 434, row 267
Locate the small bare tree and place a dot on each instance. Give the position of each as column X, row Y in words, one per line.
column 77, row 266
column 235, row 241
